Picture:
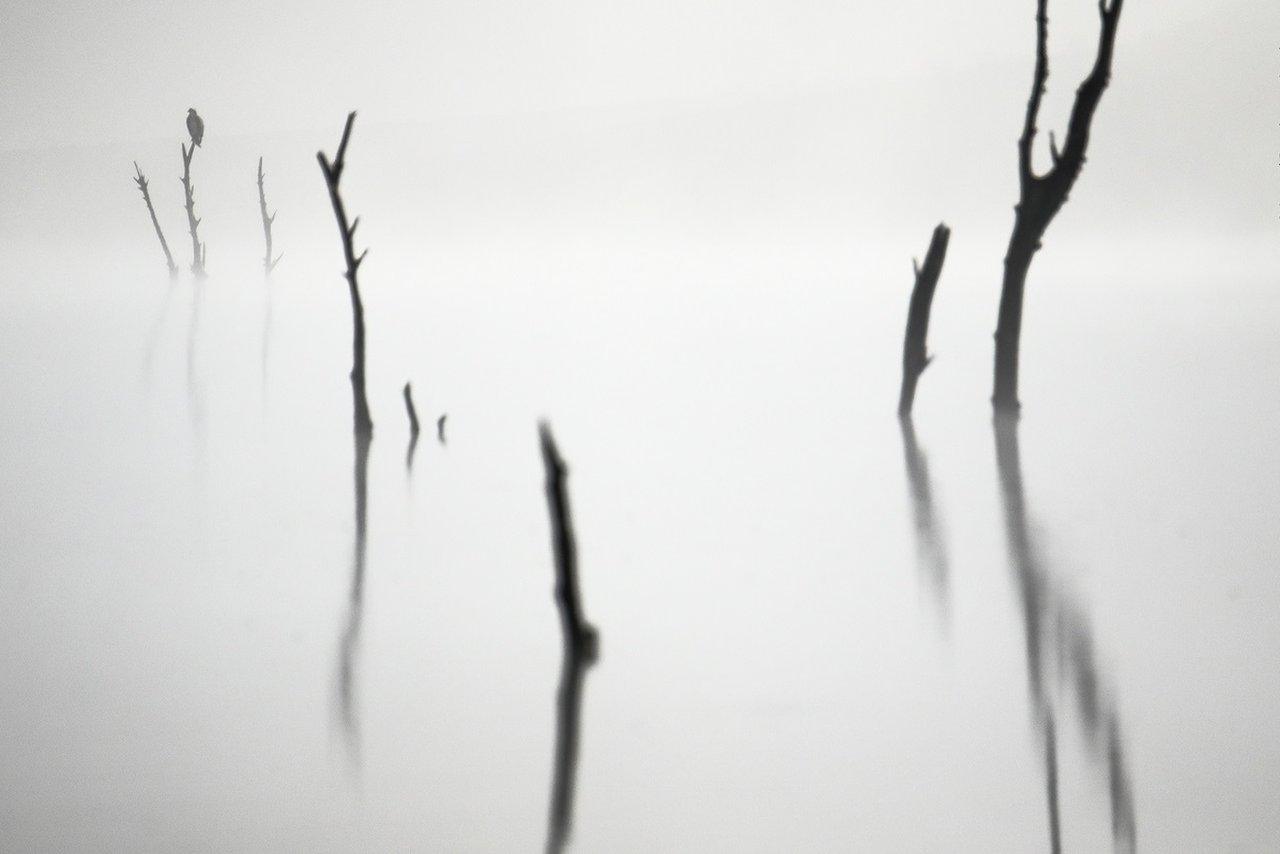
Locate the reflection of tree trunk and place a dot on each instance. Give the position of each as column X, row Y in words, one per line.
column 1051, row 782
column 930, row 548
column 573, row 668
column 349, row 641
column 1032, row 594
column 414, row 427
column 1026, row 565
column 1058, row 638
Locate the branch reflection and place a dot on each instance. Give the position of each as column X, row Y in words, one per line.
column 1059, row 640
column 349, row 639
column 931, row 547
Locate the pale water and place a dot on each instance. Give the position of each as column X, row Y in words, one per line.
column 788, row 662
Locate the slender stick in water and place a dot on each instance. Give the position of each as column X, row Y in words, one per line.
column 198, row 249
column 141, row 181
column 268, row 263
column 580, row 647
column 915, row 356
column 578, row 632
column 347, row 229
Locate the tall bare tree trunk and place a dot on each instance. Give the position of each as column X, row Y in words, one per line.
column 198, row 249
column 1041, row 196
column 347, row 229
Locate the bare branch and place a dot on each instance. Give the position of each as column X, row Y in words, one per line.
column 141, row 181
column 1026, row 173
column 193, row 223
column 346, row 137
column 267, row 221
column 1041, row 197
column 915, row 357
column 578, row 633
column 333, row 175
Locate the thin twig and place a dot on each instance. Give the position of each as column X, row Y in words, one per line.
column 141, row 181
column 577, row 630
column 268, row 263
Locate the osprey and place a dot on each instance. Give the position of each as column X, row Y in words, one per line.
column 195, row 126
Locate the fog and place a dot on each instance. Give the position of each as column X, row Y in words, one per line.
column 686, row 240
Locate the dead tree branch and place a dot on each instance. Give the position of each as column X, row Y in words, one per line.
column 577, row 631
column 141, row 181
column 198, row 249
column 347, row 229
column 1041, row 196
column 268, row 263
column 915, row 357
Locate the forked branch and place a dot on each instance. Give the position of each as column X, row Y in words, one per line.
column 1041, row 196
column 1051, row 188
column 346, row 228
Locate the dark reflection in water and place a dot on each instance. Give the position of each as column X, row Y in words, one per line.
column 414, row 427
column 349, row 639
column 575, row 660
column 931, row 547
column 409, row 452
column 1059, row 640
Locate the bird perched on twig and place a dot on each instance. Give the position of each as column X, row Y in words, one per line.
column 195, row 126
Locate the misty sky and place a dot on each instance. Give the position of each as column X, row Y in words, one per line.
column 72, row 73
column 908, row 109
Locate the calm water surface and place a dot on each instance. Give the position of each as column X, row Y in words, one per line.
column 818, row 632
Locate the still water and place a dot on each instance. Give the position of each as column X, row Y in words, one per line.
column 818, row 631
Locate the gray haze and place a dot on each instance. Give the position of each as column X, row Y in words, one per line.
column 685, row 236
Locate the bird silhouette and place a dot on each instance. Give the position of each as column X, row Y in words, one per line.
column 195, row 126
